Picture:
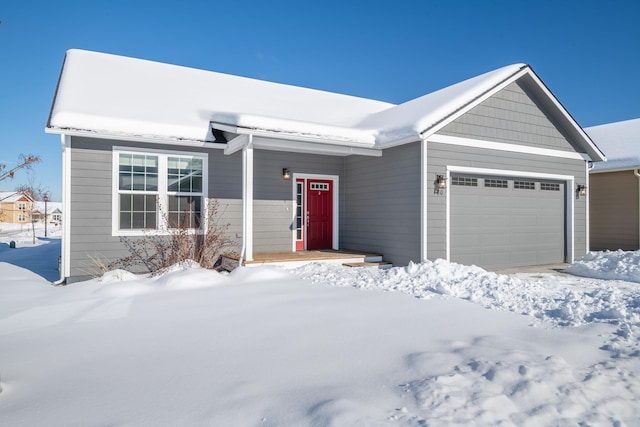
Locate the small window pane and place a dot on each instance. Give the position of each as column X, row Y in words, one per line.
column 196, row 183
column 524, row 185
column 545, row 186
column 496, row 183
column 464, row 181
column 125, row 202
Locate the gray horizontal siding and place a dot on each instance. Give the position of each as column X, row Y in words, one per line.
column 273, row 207
column 382, row 212
column 510, row 116
column 91, row 198
column 439, row 156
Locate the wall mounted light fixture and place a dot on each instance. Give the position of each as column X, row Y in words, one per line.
column 441, row 184
column 286, row 174
column 581, row 190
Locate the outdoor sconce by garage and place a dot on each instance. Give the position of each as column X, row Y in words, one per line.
column 286, row 174
column 581, row 190
column 441, row 184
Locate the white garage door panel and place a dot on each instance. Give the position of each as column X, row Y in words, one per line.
column 506, row 227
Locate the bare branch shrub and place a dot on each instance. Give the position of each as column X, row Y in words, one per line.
column 155, row 253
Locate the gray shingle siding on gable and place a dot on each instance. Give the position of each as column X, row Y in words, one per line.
column 509, row 116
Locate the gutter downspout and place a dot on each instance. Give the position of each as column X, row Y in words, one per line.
column 247, row 202
column 66, row 208
column 635, row 172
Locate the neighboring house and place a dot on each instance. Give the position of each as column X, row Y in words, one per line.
column 615, row 186
column 52, row 210
column 482, row 172
column 15, row 207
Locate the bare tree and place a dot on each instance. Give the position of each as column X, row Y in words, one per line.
column 24, row 162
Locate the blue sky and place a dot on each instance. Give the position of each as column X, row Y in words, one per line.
column 585, row 51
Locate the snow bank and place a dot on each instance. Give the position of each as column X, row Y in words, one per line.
column 608, row 265
column 259, row 346
column 558, row 302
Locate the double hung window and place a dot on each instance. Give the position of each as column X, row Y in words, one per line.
column 157, row 191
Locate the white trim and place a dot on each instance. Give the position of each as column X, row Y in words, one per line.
column 133, row 138
column 566, row 115
column 236, row 144
column 569, row 200
column 423, row 201
column 622, row 169
column 302, row 146
column 501, row 146
column 247, row 199
column 162, row 186
column 335, row 182
column 65, row 262
column 587, row 214
column 297, row 137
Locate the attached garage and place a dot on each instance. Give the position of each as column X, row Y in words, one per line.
column 507, row 221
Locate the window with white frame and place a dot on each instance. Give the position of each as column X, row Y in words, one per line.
column 22, row 206
column 158, row 190
column 22, row 218
column 57, row 217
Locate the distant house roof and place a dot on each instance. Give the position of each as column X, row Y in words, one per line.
column 12, row 197
column 114, row 96
column 620, row 141
column 51, row 206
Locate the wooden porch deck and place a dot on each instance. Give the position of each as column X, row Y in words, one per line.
column 306, row 256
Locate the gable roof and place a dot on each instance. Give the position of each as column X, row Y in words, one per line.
column 12, row 197
column 621, row 143
column 114, row 96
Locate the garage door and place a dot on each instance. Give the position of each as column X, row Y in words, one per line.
column 499, row 222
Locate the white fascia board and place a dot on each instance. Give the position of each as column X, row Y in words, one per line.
column 501, row 146
column 398, row 142
column 236, row 144
column 296, row 137
column 133, row 138
column 313, row 148
column 614, row 170
column 567, row 116
column 437, row 126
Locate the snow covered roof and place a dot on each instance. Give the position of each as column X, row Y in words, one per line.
column 12, row 196
column 620, row 141
column 115, row 96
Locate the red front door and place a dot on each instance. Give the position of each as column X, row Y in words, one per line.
column 319, row 210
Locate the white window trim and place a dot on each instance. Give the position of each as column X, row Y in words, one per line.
column 335, row 182
column 162, row 189
column 569, row 181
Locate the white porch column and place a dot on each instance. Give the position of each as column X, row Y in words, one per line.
column 247, row 199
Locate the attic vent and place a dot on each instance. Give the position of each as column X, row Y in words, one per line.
column 219, row 136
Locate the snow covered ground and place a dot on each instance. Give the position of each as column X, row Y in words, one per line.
column 428, row 344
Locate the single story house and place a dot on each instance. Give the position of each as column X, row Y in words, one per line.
column 482, row 172
column 614, row 190
column 15, row 208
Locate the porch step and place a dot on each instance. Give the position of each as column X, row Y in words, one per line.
column 299, row 258
column 377, row 264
